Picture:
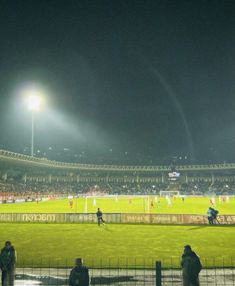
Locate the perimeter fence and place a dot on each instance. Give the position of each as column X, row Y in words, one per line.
column 160, row 273
column 128, row 218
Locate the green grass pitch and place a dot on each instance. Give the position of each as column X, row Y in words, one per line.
column 118, row 244
column 195, row 205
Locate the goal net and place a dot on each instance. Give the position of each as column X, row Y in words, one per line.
column 169, row 193
column 136, row 202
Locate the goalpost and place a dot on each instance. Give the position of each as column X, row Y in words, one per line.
column 145, row 200
column 169, row 193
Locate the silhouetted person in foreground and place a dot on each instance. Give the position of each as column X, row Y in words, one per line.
column 7, row 264
column 191, row 266
column 99, row 215
column 79, row 275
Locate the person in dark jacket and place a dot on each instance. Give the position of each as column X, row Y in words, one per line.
column 210, row 215
column 79, row 275
column 191, row 266
column 7, row 264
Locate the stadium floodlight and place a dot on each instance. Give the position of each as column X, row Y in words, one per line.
column 34, row 102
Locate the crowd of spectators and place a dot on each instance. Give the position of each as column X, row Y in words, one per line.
column 207, row 188
column 16, row 189
column 39, row 190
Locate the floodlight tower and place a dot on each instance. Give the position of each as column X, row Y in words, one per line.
column 34, row 102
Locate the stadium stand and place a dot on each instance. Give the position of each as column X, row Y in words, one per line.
column 30, row 178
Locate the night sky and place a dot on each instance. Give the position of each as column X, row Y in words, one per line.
column 125, row 82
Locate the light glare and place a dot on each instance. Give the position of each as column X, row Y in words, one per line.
column 34, row 102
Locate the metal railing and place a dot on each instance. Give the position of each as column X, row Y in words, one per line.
column 160, row 273
column 4, row 154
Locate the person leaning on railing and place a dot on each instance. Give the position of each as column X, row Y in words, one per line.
column 7, row 264
column 79, row 275
column 191, row 266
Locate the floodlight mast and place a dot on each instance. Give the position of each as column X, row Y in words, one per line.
column 32, row 132
column 34, row 102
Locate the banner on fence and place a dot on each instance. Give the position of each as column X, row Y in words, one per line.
column 113, row 218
